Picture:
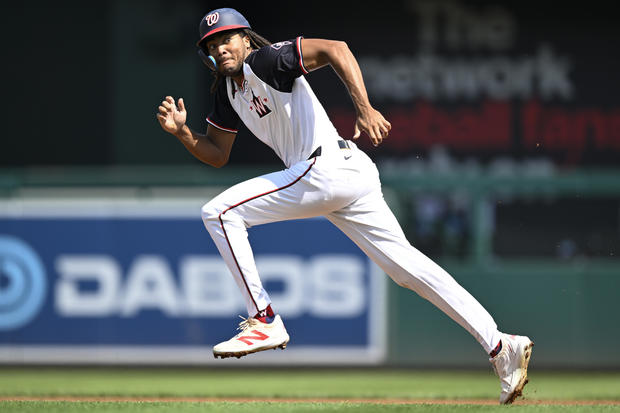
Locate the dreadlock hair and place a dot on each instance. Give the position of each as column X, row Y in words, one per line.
column 256, row 42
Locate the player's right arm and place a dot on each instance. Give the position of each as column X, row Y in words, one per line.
column 212, row 148
column 318, row 53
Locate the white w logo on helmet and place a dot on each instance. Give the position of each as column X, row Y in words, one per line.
column 212, row 18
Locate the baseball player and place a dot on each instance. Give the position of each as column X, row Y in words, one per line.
column 263, row 86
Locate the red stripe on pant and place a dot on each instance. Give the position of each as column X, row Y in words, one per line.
column 243, row 202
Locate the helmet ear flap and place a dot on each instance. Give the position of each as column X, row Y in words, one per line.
column 208, row 60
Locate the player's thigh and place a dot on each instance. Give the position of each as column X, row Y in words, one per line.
column 292, row 193
column 370, row 223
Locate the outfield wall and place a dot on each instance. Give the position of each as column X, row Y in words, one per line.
column 98, row 272
column 541, row 254
column 129, row 281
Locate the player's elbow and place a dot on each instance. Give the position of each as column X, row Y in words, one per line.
column 213, row 155
column 219, row 165
column 215, row 159
column 337, row 49
column 340, row 45
column 218, row 162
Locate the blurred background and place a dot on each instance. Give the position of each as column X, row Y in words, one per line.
column 503, row 165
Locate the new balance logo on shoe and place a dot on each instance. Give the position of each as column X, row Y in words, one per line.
column 257, row 336
column 254, row 336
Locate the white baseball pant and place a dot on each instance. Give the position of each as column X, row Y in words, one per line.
column 342, row 185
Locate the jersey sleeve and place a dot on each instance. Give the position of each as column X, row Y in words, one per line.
column 223, row 115
column 279, row 64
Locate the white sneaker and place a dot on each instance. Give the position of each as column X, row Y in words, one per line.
column 511, row 366
column 254, row 336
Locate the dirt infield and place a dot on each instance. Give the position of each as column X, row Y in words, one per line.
column 303, row 400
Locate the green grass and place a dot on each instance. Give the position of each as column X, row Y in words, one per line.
column 273, row 407
column 292, row 383
column 285, row 383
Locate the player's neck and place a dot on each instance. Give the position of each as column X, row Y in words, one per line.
column 238, row 80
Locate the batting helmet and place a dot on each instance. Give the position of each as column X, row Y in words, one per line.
column 220, row 20
column 217, row 21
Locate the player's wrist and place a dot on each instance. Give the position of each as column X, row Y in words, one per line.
column 181, row 131
column 363, row 110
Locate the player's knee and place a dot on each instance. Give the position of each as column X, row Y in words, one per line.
column 211, row 217
column 215, row 215
column 210, row 213
column 409, row 281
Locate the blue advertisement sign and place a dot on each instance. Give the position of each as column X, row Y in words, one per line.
column 140, row 287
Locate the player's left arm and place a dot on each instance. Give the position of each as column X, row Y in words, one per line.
column 317, row 53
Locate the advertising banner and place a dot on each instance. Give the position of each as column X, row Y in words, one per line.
column 99, row 283
column 485, row 81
